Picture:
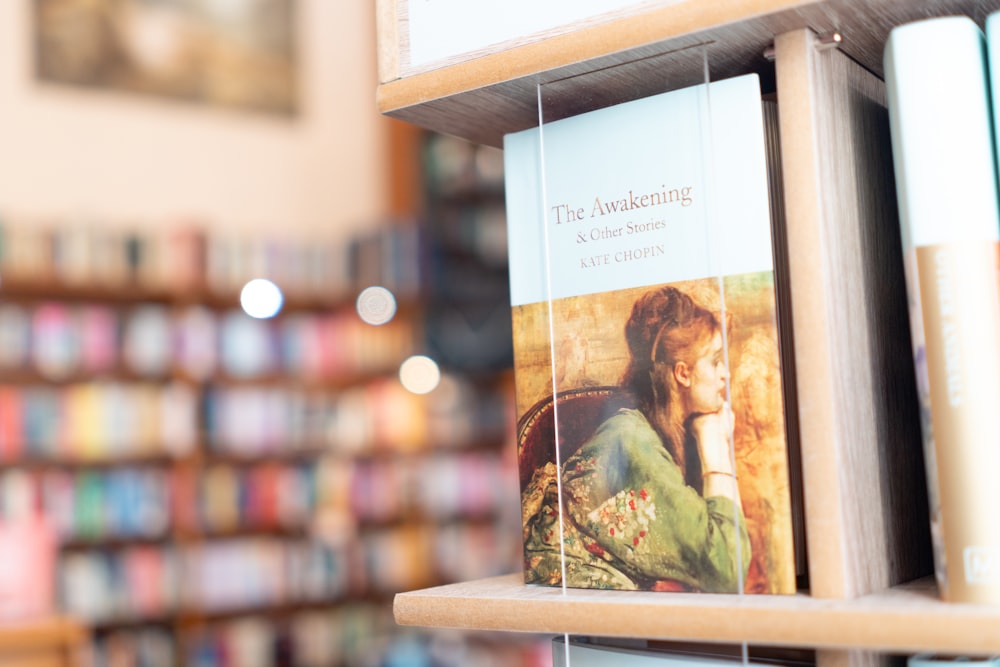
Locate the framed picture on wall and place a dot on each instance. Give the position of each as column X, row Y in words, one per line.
column 228, row 53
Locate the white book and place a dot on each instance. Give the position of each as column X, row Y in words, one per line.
column 943, row 152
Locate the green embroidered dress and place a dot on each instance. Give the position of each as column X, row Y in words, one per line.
column 630, row 520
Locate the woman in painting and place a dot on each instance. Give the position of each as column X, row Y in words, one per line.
column 650, row 500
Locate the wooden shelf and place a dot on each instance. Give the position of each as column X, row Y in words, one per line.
column 856, row 414
column 905, row 619
column 30, row 288
column 154, row 459
column 113, row 542
column 481, row 96
column 52, row 641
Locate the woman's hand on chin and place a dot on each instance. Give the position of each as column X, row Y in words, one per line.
column 713, row 433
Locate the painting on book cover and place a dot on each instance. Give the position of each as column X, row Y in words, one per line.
column 653, row 385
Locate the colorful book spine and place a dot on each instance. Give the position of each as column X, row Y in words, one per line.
column 11, row 426
column 28, row 574
column 943, row 151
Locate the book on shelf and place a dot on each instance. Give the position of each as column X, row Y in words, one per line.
column 946, row 183
column 643, row 287
column 598, row 651
column 945, row 660
column 27, row 566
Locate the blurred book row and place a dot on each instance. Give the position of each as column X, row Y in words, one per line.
column 98, row 420
column 152, row 581
column 102, row 421
column 87, row 505
column 58, row 340
column 155, row 583
column 177, row 256
column 311, row 638
column 437, row 486
column 453, row 167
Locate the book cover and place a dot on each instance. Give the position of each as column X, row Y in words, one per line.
column 643, row 297
column 946, row 183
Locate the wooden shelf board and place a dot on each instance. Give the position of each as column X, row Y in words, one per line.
column 484, row 95
column 904, row 619
column 31, row 634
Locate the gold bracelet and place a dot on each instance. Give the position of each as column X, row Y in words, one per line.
column 717, row 472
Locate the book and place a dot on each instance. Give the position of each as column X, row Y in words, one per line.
column 944, row 660
column 27, row 578
column 595, row 652
column 946, row 183
column 642, row 277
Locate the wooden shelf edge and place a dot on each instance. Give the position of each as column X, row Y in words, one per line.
column 28, row 634
column 483, row 95
column 536, row 54
column 904, row 619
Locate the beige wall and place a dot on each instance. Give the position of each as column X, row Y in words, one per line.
column 138, row 160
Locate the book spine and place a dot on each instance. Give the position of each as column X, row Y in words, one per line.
column 943, row 152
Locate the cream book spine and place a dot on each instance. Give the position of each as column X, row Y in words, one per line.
column 943, row 152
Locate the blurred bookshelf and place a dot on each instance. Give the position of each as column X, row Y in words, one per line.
column 232, row 490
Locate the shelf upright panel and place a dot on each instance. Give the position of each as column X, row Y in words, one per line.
column 865, row 492
column 864, row 484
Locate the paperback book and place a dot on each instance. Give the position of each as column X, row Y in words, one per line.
column 646, row 344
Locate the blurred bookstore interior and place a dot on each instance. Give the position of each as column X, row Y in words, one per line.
column 255, row 345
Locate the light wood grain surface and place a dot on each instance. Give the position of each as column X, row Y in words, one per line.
column 486, row 94
column 43, row 642
column 907, row 619
column 866, row 517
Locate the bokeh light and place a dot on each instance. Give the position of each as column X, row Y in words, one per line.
column 261, row 298
column 376, row 305
column 419, row 374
